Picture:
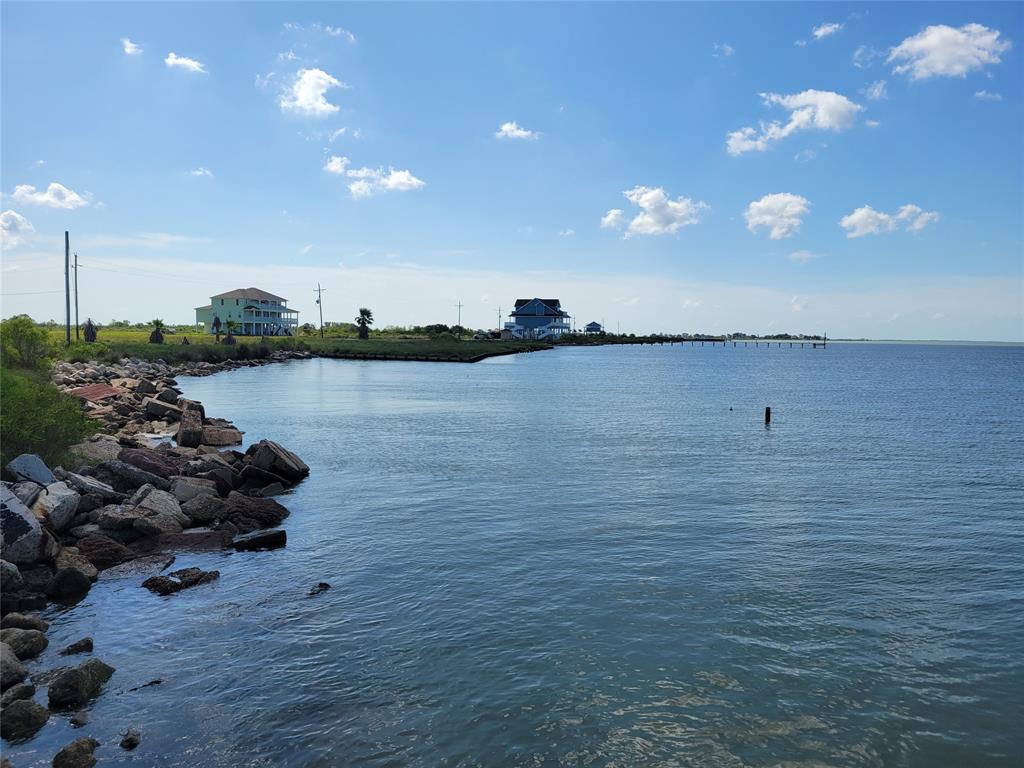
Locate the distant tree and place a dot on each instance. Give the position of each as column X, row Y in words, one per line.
column 307, row 329
column 232, row 326
column 157, row 336
column 23, row 342
column 363, row 322
column 90, row 331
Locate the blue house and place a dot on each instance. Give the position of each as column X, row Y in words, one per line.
column 593, row 327
column 537, row 319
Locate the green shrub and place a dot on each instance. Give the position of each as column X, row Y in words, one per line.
column 36, row 417
column 24, row 343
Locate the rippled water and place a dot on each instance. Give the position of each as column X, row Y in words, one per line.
column 600, row 557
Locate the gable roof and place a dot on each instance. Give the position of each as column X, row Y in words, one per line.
column 553, row 303
column 249, row 293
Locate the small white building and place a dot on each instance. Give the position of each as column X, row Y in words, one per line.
column 254, row 312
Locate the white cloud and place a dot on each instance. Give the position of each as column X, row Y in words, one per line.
column 567, row 232
column 201, row 171
column 305, row 249
column 811, row 109
column 659, row 214
column 800, row 43
column 339, row 32
column 802, row 257
column 723, row 49
column 865, row 56
column 262, row 81
column 182, row 62
column 988, row 96
column 132, row 49
column 513, row 130
column 55, row 196
column 13, row 229
column 872, row 123
column 946, row 51
column 805, row 155
column 613, row 219
column 781, row 213
column 336, row 164
column 825, row 30
column 867, row 221
column 306, row 94
column 798, row 303
column 337, row 134
column 287, row 56
column 875, row 91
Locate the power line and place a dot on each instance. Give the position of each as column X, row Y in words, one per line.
column 29, row 293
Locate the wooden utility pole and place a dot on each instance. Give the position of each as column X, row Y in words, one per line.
column 460, row 305
column 320, row 304
column 67, row 288
column 499, row 319
column 76, row 297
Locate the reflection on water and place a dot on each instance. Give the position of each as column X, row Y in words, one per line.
column 583, row 557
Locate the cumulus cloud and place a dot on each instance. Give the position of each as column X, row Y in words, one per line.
column 13, row 229
column 513, row 130
column 201, row 171
column 370, row 181
column 825, row 30
column 175, row 61
column 945, row 51
column 802, row 257
column 55, row 196
column 659, row 214
column 613, row 219
column 867, row 221
column 811, row 109
column 865, row 56
column 306, row 95
column 132, row 49
column 875, row 91
column 988, row 96
column 781, row 213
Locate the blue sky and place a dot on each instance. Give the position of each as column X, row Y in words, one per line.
column 210, row 170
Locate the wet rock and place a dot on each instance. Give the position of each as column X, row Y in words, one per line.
column 28, row 466
column 249, row 542
column 249, row 513
column 77, row 754
column 68, row 584
column 126, row 477
column 10, row 577
column 258, row 478
column 36, row 577
column 21, row 531
column 11, row 670
column 323, row 586
column 190, row 429
column 274, row 489
column 80, row 646
column 130, row 739
column 31, row 601
column 103, row 552
column 26, row 643
column 218, row 436
column 79, row 719
column 75, row 686
column 27, row 491
column 22, row 621
column 268, row 455
column 147, row 565
column 16, row 692
column 179, row 580
column 56, row 505
column 70, row 557
column 204, row 509
column 21, row 719
column 187, row 488
column 168, row 396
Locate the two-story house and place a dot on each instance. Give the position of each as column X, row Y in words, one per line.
column 253, row 312
column 537, row 319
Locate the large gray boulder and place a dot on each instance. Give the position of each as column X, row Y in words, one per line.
column 56, row 505
column 104, row 552
column 27, row 491
column 20, row 719
column 10, row 577
column 11, row 670
column 70, row 557
column 90, row 485
column 218, row 436
column 77, row 754
column 186, row 488
column 126, row 478
column 190, row 429
column 26, row 643
column 17, row 691
column 268, row 455
column 68, row 584
column 249, row 513
column 96, row 449
column 75, row 686
column 115, row 516
column 161, row 512
column 23, row 621
column 204, row 509
column 20, row 531
column 28, row 466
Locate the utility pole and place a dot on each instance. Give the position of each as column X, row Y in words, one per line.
column 499, row 319
column 76, row 297
column 460, row 306
column 320, row 304
column 67, row 288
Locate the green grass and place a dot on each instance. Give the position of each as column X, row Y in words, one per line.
column 36, row 417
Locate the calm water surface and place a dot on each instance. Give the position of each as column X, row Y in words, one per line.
column 600, row 557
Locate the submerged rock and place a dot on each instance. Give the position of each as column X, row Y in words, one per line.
column 103, row 552
column 249, row 542
column 77, row 754
column 130, row 739
column 80, row 646
column 249, row 513
column 73, row 687
column 179, row 580
column 323, row 586
column 68, row 583
column 21, row 719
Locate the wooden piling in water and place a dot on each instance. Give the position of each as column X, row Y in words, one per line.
column 767, row 414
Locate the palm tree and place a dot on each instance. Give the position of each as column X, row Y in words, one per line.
column 232, row 326
column 157, row 336
column 364, row 321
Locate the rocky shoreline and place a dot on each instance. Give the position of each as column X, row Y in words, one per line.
column 164, row 478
